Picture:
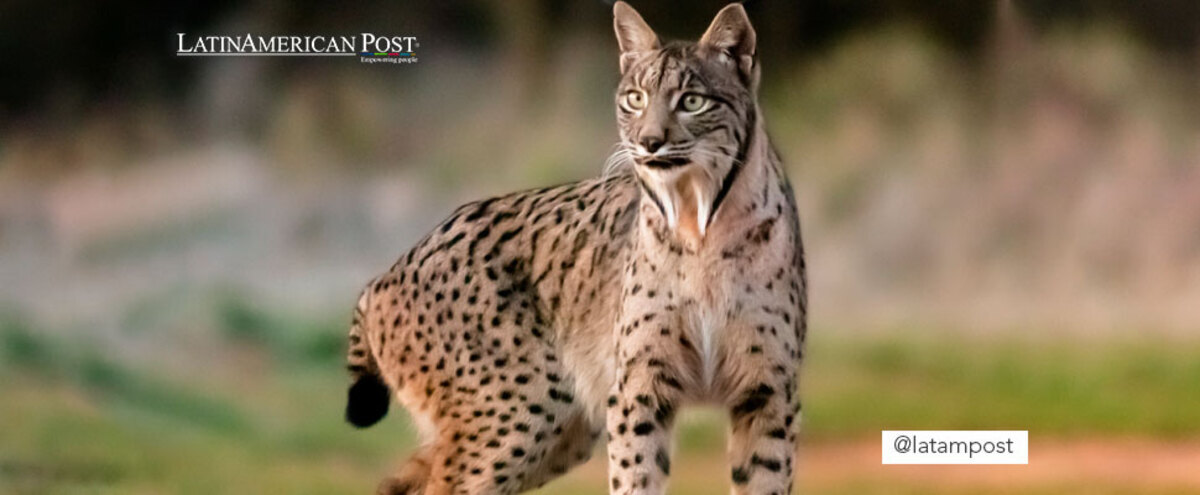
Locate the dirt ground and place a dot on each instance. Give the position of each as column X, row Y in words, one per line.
column 1110, row 463
column 1106, row 465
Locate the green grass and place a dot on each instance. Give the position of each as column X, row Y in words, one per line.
column 1134, row 386
column 76, row 420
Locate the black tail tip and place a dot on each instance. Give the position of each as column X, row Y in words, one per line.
column 367, row 402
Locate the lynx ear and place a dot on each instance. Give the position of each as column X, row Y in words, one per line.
column 633, row 34
column 732, row 34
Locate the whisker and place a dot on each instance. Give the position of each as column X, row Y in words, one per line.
column 621, row 156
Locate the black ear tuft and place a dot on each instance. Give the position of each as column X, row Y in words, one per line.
column 367, row 402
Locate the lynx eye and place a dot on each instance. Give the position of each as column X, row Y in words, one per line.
column 693, row 103
column 635, row 100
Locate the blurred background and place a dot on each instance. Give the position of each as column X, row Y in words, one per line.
column 1001, row 204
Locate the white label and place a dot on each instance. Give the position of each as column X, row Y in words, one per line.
column 955, row 447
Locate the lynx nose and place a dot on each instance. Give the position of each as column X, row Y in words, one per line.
column 652, row 143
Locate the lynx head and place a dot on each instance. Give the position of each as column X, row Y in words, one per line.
column 686, row 112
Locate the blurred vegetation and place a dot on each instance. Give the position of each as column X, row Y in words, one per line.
column 119, row 46
column 1049, row 172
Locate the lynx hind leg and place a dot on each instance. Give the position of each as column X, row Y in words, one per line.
column 449, row 467
column 503, row 416
column 503, row 449
column 573, row 446
column 412, row 477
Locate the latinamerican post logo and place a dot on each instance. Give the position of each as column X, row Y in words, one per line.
column 368, row 47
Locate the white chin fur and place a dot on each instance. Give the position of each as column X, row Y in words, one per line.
column 686, row 194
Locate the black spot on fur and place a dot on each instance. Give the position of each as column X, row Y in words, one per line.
column 663, row 461
column 754, row 400
column 772, row 465
column 367, row 401
column 664, row 413
column 740, row 476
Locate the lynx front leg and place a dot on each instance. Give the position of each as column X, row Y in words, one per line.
column 762, row 443
column 640, row 417
column 641, row 410
column 763, row 405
